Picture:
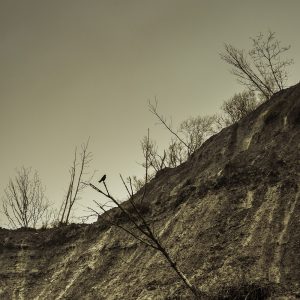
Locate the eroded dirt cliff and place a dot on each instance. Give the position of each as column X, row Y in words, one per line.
column 229, row 216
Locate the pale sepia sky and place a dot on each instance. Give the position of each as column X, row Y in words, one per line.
column 70, row 69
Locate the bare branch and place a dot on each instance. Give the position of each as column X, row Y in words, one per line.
column 76, row 184
column 161, row 118
column 141, row 231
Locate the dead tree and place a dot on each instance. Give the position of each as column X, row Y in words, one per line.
column 262, row 69
column 24, row 203
column 139, row 228
column 76, row 185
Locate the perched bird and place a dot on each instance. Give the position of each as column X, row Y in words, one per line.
column 102, row 178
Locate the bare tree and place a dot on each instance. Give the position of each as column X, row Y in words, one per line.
column 76, row 185
column 196, row 130
column 239, row 106
column 262, row 69
column 138, row 226
column 24, row 203
column 191, row 134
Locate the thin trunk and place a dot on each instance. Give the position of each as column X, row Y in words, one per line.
column 196, row 292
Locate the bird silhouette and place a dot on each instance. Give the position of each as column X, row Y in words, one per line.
column 102, row 178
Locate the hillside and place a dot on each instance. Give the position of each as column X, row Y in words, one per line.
column 230, row 217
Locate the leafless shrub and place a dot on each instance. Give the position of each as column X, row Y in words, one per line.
column 176, row 154
column 196, row 130
column 239, row 106
column 137, row 183
column 185, row 140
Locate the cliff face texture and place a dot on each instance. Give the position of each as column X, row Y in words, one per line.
column 229, row 216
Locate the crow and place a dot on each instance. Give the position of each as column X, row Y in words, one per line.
column 102, row 178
